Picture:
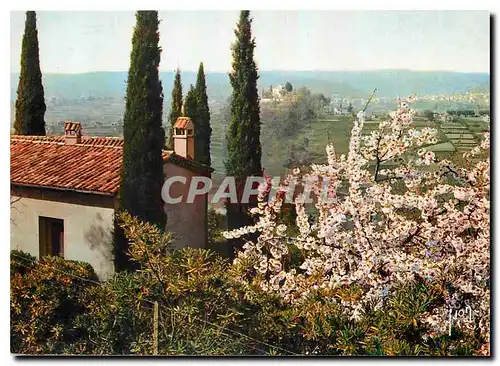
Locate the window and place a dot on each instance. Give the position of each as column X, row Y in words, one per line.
column 51, row 236
column 179, row 131
column 190, row 132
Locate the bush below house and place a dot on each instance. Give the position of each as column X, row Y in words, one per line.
column 57, row 308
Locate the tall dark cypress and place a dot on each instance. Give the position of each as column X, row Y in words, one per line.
column 30, row 102
column 176, row 105
column 190, row 108
column 243, row 135
column 142, row 172
column 203, row 130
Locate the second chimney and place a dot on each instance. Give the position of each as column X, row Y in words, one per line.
column 72, row 132
column 183, row 135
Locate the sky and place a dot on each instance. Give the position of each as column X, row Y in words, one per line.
column 82, row 41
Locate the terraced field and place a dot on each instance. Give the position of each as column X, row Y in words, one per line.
column 465, row 133
column 454, row 137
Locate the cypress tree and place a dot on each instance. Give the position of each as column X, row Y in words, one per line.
column 191, row 105
column 243, row 136
column 176, row 106
column 203, row 131
column 30, row 102
column 144, row 137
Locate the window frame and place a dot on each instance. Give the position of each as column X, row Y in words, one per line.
column 47, row 228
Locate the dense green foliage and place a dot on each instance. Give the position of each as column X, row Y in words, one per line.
column 469, row 112
column 30, row 103
column 144, row 137
column 203, row 131
column 191, row 104
column 244, row 151
column 243, row 136
column 429, row 115
column 286, row 119
column 176, row 105
column 57, row 308
column 196, row 108
column 46, row 297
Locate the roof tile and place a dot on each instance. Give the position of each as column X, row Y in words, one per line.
column 182, row 122
column 94, row 165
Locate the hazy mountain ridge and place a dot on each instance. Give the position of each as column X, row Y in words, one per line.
column 405, row 82
column 113, row 84
column 348, row 84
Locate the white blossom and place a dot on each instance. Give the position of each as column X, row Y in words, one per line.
column 359, row 234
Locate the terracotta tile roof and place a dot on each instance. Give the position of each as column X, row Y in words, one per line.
column 91, row 166
column 182, row 122
column 86, row 140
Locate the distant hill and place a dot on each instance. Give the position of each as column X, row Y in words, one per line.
column 391, row 83
column 482, row 88
column 113, row 84
column 348, row 84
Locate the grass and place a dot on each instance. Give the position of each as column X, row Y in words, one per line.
column 453, row 126
column 445, row 146
column 464, row 136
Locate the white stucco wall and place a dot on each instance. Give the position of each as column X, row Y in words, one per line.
column 88, row 227
column 87, row 231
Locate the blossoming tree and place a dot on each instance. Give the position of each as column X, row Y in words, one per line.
column 382, row 216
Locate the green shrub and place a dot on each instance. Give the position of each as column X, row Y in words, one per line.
column 205, row 309
column 20, row 261
column 45, row 298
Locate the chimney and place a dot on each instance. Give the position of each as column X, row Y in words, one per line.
column 183, row 134
column 72, row 132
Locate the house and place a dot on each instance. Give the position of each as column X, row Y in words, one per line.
column 278, row 92
column 64, row 194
